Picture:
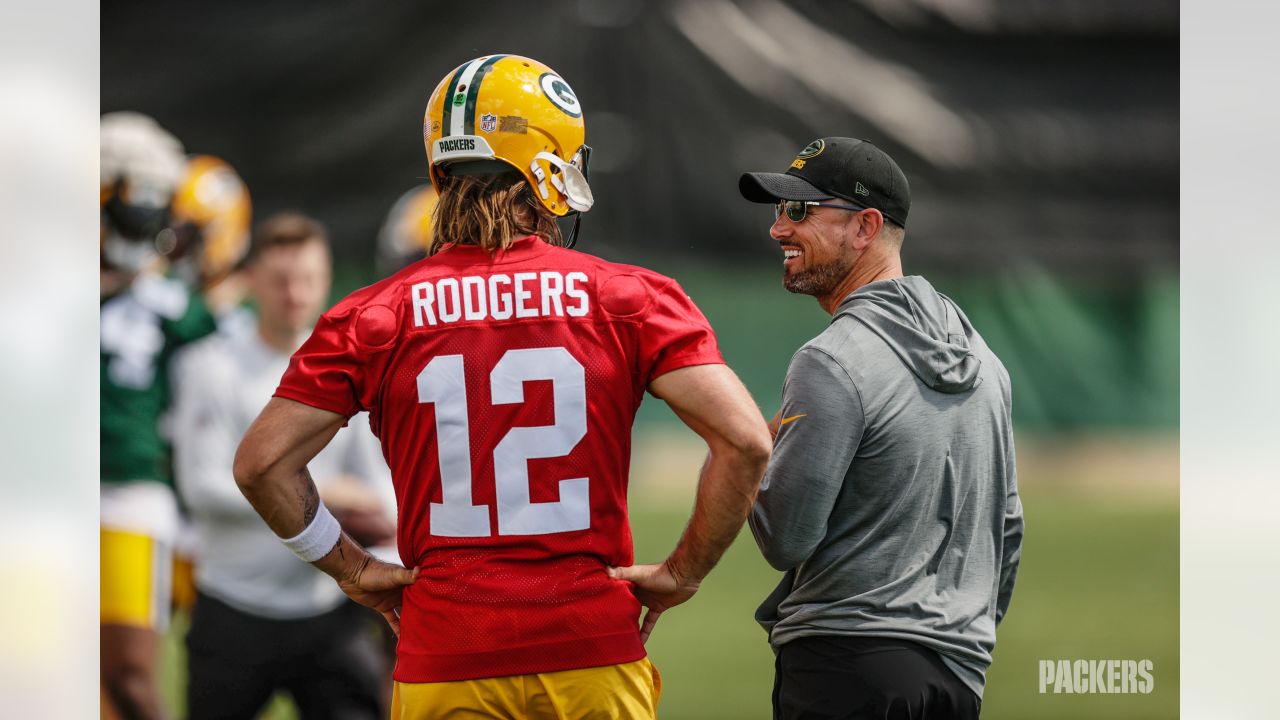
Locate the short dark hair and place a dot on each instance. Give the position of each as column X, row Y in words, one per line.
column 284, row 229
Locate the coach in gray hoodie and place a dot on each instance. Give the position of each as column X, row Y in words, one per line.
column 891, row 502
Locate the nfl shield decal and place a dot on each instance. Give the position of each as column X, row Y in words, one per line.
column 488, row 123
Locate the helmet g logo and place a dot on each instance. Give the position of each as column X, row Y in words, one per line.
column 560, row 94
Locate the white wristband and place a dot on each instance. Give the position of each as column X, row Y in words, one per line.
column 318, row 539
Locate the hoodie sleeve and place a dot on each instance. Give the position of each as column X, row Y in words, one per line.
column 822, row 426
column 1012, row 545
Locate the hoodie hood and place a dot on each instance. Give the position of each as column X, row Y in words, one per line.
column 925, row 328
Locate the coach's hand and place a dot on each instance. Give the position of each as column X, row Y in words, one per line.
column 372, row 582
column 658, row 588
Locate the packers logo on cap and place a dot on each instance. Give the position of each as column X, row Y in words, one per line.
column 813, row 149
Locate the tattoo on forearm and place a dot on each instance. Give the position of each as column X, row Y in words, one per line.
column 309, row 498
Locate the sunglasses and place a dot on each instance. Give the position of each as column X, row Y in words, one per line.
column 797, row 209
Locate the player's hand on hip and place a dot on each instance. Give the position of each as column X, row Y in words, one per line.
column 379, row 585
column 658, row 588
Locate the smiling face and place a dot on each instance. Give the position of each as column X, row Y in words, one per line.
column 818, row 252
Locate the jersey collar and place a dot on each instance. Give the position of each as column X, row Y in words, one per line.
column 526, row 247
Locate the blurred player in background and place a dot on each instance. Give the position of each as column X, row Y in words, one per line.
column 264, row 620
column 503, row 374
column 145, row 318
column 207, row 239
column 406, row 233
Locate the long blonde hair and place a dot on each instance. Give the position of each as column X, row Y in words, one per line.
column 490, row 211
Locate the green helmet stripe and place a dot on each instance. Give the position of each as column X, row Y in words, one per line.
column 448, row 99
column 474, row 91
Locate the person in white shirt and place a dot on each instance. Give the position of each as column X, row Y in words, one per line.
column 264, row 620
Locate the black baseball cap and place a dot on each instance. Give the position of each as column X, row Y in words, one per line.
column 840, row 167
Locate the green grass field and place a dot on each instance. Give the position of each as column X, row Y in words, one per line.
column 1096, row 582
column 1099, row 580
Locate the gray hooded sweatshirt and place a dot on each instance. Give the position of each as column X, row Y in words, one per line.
column 891, row 501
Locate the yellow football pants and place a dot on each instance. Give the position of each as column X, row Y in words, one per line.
column 135, row 580
column 628, row 691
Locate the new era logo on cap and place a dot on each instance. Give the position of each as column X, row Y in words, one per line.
column 861, row 189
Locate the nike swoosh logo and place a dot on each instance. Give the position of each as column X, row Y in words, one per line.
column 786, row 420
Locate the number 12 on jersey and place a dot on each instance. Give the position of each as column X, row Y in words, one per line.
column 443, row 382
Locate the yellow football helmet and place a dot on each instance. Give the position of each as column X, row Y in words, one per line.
column 406, row 233
column 211, row 217
column 506, row 110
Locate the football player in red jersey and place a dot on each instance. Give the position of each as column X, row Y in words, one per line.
column 502, row 375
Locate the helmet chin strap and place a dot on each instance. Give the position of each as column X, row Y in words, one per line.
column 572, row 183
column 573, row 234
column 582, row 162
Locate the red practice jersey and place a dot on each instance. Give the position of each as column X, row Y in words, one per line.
column 503, row 390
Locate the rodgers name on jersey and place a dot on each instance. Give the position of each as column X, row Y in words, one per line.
column 500, row 297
